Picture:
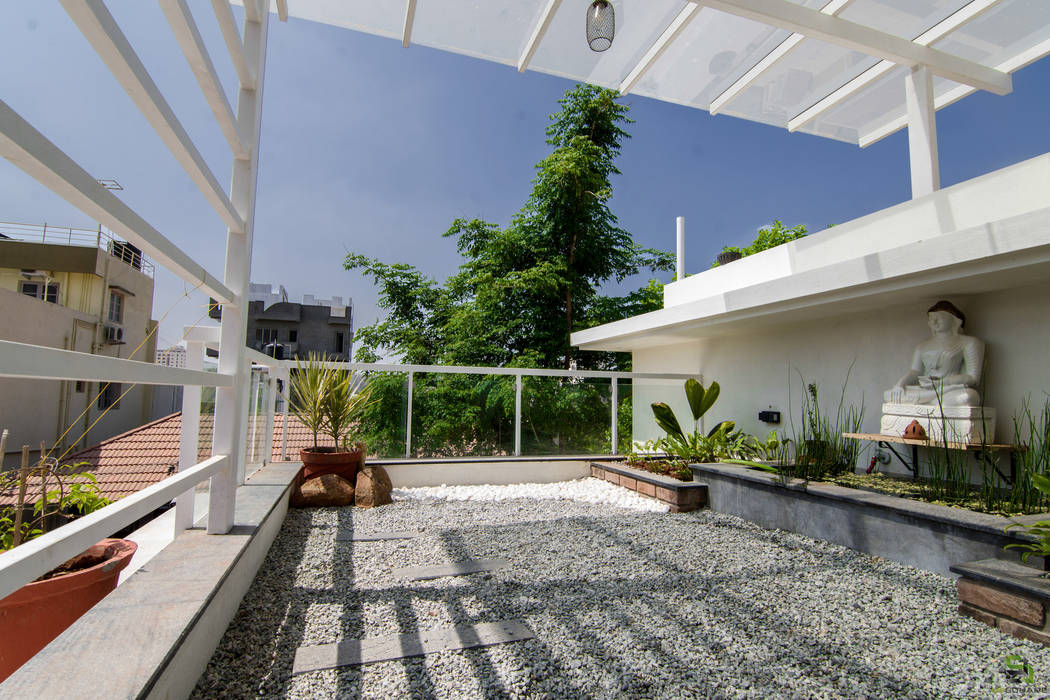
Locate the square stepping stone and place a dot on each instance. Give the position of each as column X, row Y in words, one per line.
column 459, row 568
column 352, row 652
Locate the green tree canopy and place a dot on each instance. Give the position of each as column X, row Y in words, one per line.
column 523, row 289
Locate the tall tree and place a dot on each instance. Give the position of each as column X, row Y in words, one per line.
column 522, row 290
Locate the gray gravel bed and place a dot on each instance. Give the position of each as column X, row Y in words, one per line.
column 623, row 604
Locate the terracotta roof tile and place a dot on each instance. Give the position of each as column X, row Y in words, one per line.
column 145, row 455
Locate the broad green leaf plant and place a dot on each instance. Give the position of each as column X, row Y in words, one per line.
column 1040, row 530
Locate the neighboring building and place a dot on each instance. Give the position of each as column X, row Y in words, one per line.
column 167, row 398
column 175, row 356
column 76, row 289
column 286, row 329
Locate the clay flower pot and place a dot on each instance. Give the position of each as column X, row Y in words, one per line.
column 326, row 460
column 39, row 611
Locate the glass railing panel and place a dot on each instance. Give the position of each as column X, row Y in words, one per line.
column 566, row 416
column 462, row 415
column 382, row 428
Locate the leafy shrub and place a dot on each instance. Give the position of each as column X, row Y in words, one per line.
column 770, row 237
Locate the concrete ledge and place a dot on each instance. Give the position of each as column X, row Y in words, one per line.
column 154, row 635
column 681, row 496
column 919, row 534
column 484, row 470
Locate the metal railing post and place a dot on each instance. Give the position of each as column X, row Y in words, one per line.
column 517, row 415
column 189, row 435
column 615, row 415
column 408, row 414
column 253, row 412
column 284, row 417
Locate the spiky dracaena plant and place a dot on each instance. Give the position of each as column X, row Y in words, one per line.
column 344, row 403
column 309, row 393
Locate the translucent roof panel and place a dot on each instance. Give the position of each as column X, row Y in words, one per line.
column 382, row 17
column 904, row 18
column 880, row 102
column 497, row 31
column 1005, row 31
column 709, row 55
column 803, row 77
column 564, row 51
column 714, row 54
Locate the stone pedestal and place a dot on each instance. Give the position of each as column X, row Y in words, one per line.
column 963, row 424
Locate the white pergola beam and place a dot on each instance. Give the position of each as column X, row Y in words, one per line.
column 814, row 24
column 101, row 30
column 189, row 37
column 758, row 70
column 680, row 22
column 232, row 37
column 251, row 10
column 410, row 18
column 282, row 10
column 26, row 361
column 42, row 160
column 543, row 23
column 934, row 33
column 952, row 96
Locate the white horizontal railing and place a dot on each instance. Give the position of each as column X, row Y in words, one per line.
column 37, row 362
column 28, row 561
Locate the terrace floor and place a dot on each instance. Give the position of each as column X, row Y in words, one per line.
column 622, row 603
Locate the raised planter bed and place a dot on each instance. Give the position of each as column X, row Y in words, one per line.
column 919, row 534
column 1006, row 595
column 681, row 496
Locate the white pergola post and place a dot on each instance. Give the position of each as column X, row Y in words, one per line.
column 189, row 435
column 230, row 411
column 922, row 132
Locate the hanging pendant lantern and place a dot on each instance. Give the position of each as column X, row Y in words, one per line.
column 601, row 25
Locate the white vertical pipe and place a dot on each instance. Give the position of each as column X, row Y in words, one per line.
column 189, row 435
column 922, row 132
column 408, row 419
column 230, row 413
column 517, row 415
column 269, row 402
column 284, row 417
column 253, row 414
column 680, row 252
column 615, row 389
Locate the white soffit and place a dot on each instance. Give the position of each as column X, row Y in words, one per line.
column 713, row 51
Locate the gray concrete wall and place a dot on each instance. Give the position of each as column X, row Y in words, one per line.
column 919, row 534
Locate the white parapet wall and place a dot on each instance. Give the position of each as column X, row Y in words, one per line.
column 410, row 474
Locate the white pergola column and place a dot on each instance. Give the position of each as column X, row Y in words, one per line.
column 189, row 435
column 922, row 132
column 231, row 413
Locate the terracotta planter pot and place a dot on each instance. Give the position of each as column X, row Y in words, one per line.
column 39, row 611
column 327, row 461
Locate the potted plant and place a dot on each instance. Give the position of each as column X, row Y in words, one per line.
column 39, row 611
column 329, row 401
column 729, row 254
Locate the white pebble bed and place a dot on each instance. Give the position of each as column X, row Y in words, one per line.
column 583, row 490
column 623, row 603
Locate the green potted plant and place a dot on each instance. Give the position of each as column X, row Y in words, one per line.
column 39, row 611
column 329, row 401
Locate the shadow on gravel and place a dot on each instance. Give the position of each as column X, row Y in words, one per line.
column 663, row 625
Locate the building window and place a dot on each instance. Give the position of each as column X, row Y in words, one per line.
column 267, row 335
column 116, row 307
column 293, row 336
column 48, row 291
column 79, row 387
column 339, row 341
column 258, row 334
column 110, row 397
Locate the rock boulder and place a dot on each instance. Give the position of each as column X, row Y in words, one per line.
column 325, row 491
column 373, row 487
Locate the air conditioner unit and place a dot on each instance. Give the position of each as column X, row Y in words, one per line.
column 115, row 335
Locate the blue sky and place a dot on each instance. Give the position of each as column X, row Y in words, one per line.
column 372, row 148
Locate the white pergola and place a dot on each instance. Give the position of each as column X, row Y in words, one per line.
column 853, row 70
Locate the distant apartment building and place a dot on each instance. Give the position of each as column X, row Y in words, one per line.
column 175, row 356
column 82, row 290
column 284, row 329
